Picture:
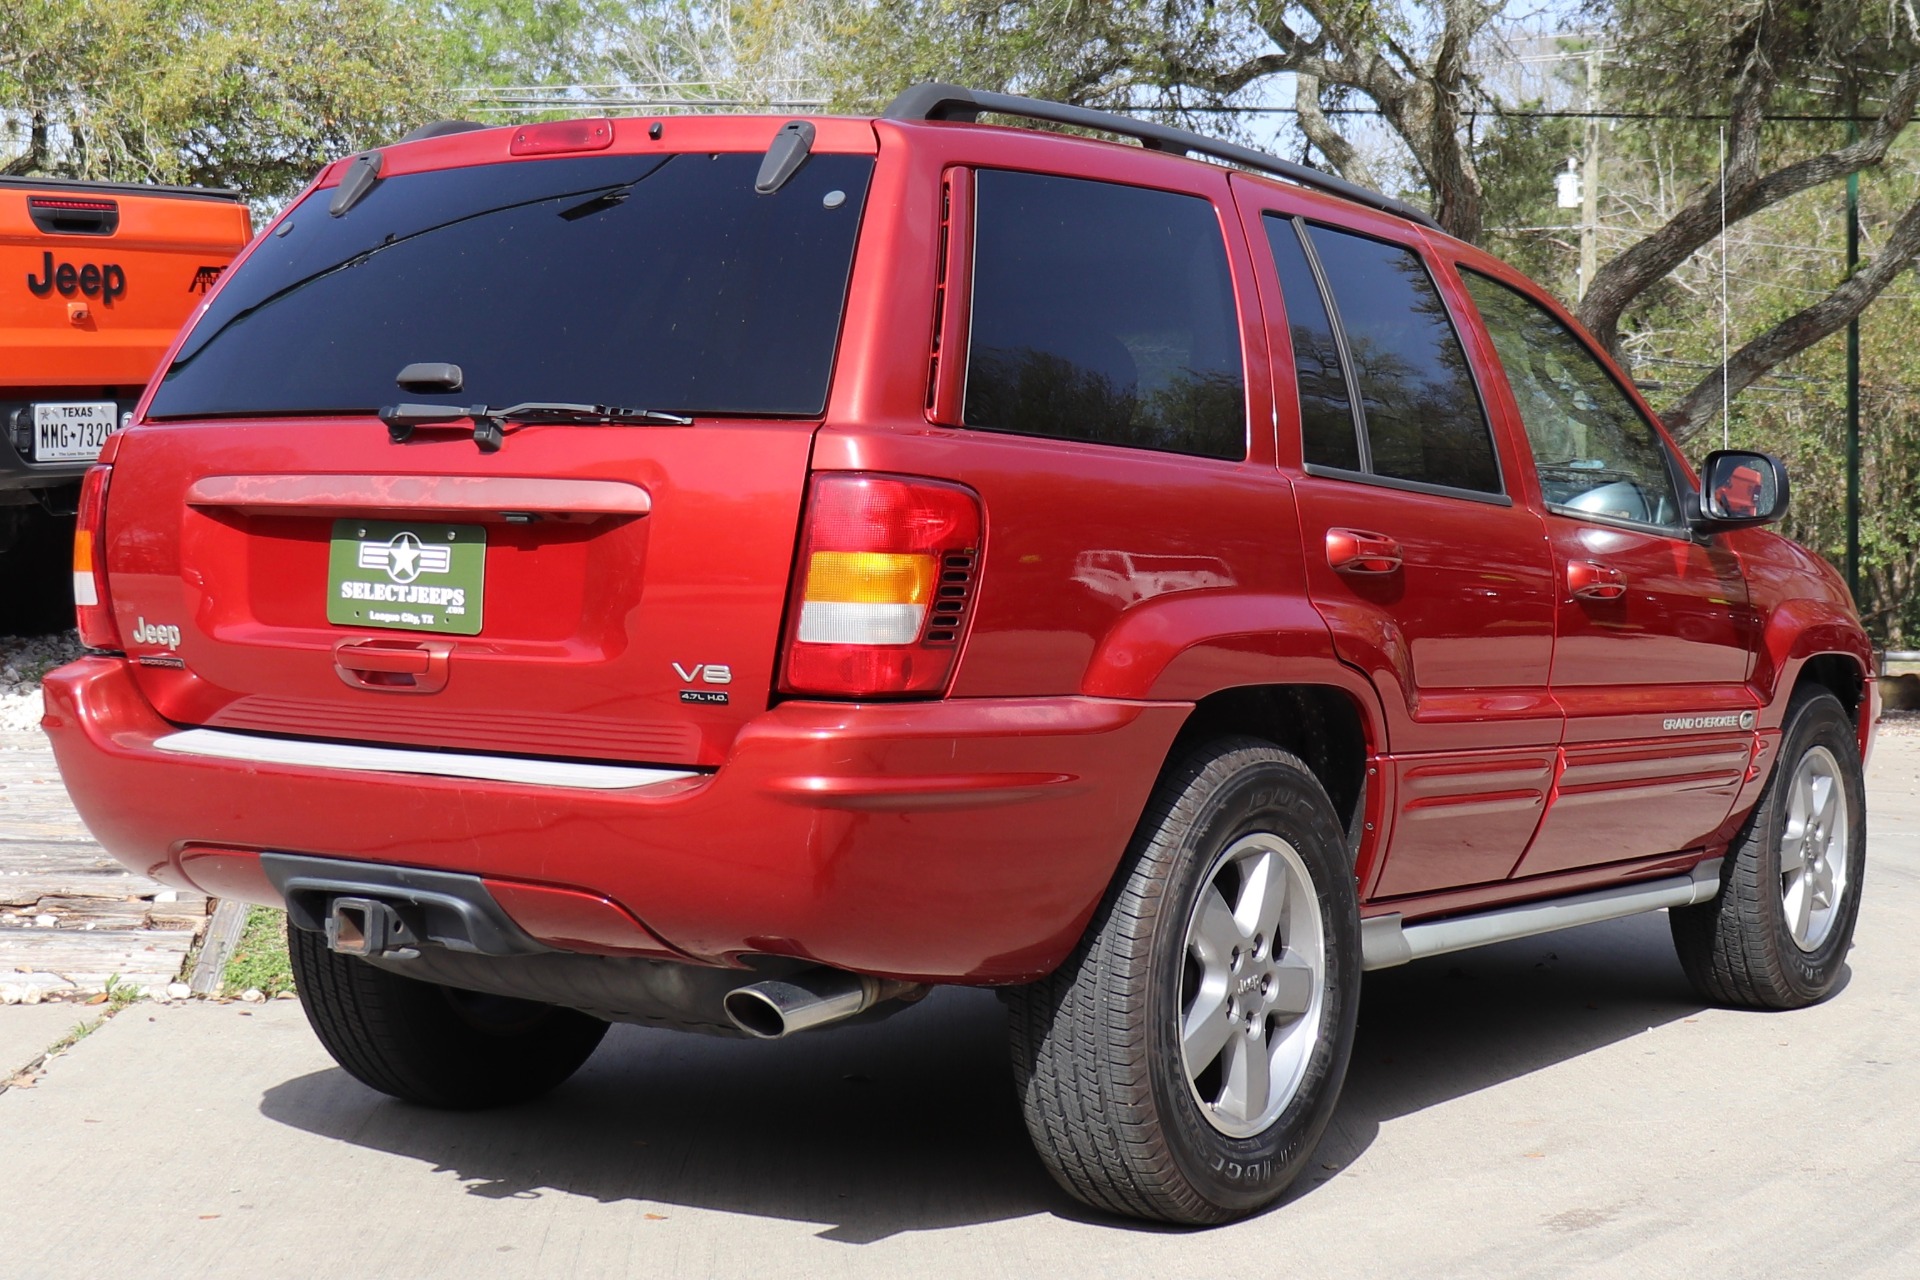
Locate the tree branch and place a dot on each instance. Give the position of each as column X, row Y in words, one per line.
column 1627, row 276
column 1341, row 154
column 1797, row 332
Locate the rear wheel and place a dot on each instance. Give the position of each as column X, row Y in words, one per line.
column 1776, row 935
column 1184, row 1062
column 434, row 1045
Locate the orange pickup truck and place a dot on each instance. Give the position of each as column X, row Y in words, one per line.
column 95, row 279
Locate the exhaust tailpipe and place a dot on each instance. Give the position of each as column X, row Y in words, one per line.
column 781, row 1006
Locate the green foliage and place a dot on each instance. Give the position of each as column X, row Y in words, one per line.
column 260, row 961
column 1518, row 156
column 1777, row 262
column 1125, row 53
column 1682, row 57
column 523, row 42
column 253, row 94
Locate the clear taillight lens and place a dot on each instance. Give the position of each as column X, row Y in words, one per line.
column 886, row 579
column 93, row 612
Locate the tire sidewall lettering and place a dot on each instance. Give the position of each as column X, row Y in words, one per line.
column 1259, row 797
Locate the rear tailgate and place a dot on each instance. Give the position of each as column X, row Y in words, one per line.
column 94, row 293
column 593, row 588
column 628, row 605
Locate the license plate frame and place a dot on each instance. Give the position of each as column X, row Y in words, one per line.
column 72, row 430
column 407, row 575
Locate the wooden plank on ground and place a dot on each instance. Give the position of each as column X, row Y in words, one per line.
column 223, row 936
column 109, row 921
column 148, row 957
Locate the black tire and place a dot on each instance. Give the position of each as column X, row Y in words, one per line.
column 435, row 1045
column 1097, row 1049
column 1739, row 948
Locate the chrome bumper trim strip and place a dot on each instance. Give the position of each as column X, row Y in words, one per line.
column 301, row 753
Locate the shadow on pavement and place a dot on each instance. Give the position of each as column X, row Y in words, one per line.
column 912, row 1124
column 1452, row 1025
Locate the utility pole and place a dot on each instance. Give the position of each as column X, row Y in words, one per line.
column 1590, row 180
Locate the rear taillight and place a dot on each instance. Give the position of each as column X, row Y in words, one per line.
column 93, row 612
column 74, row 215
column 885, row 584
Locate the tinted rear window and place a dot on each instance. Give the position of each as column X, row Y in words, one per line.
column 1423, row 414
column 1326, row 411
column 1103, row 313
column 645, row 281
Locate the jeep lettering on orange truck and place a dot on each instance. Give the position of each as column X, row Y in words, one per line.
column 95, row 280
column 735, row 574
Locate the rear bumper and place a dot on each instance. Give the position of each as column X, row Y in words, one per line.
column 966, row 840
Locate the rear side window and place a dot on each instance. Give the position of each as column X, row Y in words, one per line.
column 648, row 282
column 1328, row 433
column 1423, row 420
column 1103, row 313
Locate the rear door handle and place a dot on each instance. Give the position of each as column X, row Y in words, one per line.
column 394, row 666
column 1590, row 581
column 1359, row 552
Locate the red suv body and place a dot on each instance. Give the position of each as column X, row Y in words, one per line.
column 1019, row 467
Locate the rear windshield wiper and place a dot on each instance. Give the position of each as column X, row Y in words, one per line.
column 490, row 423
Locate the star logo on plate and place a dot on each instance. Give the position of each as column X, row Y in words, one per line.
column 404, row 557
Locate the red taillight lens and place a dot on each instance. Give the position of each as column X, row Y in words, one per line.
column 72, row 204
column 93, row 612
column 885, row 585
column 561, row 135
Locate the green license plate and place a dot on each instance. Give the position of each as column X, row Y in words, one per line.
column 412, row 577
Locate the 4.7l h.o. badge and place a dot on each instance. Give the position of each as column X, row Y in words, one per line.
column 411, row 577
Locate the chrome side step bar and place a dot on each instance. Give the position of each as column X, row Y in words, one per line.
column 1385, row 942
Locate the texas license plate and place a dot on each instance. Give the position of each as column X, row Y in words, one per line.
column 72, row 432
column 411, row 577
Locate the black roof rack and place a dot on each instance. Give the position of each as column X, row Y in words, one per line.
column 951, row 102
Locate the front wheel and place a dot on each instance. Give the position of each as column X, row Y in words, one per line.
column 1185, row 1060
column 1776, row 935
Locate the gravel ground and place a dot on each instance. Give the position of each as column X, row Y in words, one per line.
column 23, row 660
column 1900, row 724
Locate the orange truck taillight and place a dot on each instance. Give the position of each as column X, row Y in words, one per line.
column 886, row 578
column 93, row 612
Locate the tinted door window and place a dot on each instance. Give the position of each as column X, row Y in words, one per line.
column 1595, row 453
column 1424, row 421
column 1103, row 313
column 1327, row 431
column 651, row 282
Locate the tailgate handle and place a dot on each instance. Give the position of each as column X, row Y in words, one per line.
column 1357, row 551
column 1589, row 581
column 393, row 666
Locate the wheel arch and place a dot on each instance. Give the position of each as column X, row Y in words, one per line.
column 1813, row 639
column 1325, row 725
column 1840, row 674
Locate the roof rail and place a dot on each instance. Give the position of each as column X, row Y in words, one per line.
column 951, row 102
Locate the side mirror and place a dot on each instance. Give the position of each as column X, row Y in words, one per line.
column 1739, row 490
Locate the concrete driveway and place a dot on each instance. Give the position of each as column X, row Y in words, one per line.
column 1560, row 1105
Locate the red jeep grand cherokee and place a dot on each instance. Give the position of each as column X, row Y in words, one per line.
column 804, row 562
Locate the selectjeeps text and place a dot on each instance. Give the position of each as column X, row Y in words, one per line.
column 734, row 574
